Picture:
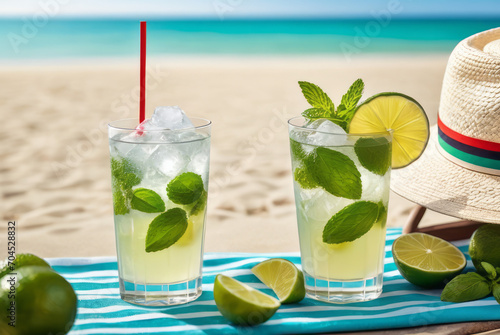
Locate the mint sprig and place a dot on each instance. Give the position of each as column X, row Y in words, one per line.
column 473, row 286
column 120, row 202
column 323, row 106
column 466, row 287
column 124, row 176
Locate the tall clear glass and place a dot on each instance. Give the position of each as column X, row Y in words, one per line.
column 341, row 186
column 159, row 183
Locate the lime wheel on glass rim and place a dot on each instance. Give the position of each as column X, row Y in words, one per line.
column 399, row 114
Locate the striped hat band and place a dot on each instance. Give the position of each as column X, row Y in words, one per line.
column 471, row 153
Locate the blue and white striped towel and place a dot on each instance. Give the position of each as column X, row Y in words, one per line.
column 101, row 311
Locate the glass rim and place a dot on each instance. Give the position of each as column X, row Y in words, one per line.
column 382, row 133
column 207, row 123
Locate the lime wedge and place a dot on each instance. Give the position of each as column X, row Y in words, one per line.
column 283, row 278
column 426, row 260
column 242, row 304
column 400, row 114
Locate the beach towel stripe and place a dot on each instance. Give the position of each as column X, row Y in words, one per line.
column 101, row 311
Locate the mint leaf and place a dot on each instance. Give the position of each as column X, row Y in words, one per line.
column 490, row 270
column 335, row 172
column 166, row 229
column 496, row 292
column 466, row 287
column 147, row 201
column 200, row 205
column 304, row 178
column 374, row 154
column 350, row 100
column 316, row 113
column 351, row 222
column 185, row 189
column 124, row 176
column 297, row 150
column 316, row 97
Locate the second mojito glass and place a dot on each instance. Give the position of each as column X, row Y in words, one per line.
column 341, row 185
column 160, row 183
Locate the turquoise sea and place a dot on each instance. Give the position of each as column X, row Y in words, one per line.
column 82, row 38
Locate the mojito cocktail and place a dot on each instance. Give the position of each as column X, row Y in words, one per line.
column 160, row 183
column 341, row 185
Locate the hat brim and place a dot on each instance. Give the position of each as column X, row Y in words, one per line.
column 445, row 187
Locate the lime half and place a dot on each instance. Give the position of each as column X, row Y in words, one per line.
column 426, row 260
column 283, row 278
column 242, row 304
column 400, row 114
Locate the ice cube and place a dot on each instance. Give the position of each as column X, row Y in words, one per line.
column 374, row 186
column 169, row 160
column 199, row 158
column 327, row 134
column 148, row 125
column 319, row 205
column 139, row 153
column 170, row 117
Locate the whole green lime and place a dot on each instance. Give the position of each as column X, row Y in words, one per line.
column 21, row 261
column 485, row 246
column 39, row 301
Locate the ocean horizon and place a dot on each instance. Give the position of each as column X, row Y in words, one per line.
column 103, row 38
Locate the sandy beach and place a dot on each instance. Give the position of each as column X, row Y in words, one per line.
column 55, row 175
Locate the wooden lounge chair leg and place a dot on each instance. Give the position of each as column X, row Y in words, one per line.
column 451, row 231
column 414, row 219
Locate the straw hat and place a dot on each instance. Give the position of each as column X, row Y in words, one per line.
column 459, row 172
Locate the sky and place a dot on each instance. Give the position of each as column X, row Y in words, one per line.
column 250, row 8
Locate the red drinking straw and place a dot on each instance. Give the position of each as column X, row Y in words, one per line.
column 142, row 102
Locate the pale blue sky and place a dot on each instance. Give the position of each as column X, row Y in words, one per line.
column 251, row 8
